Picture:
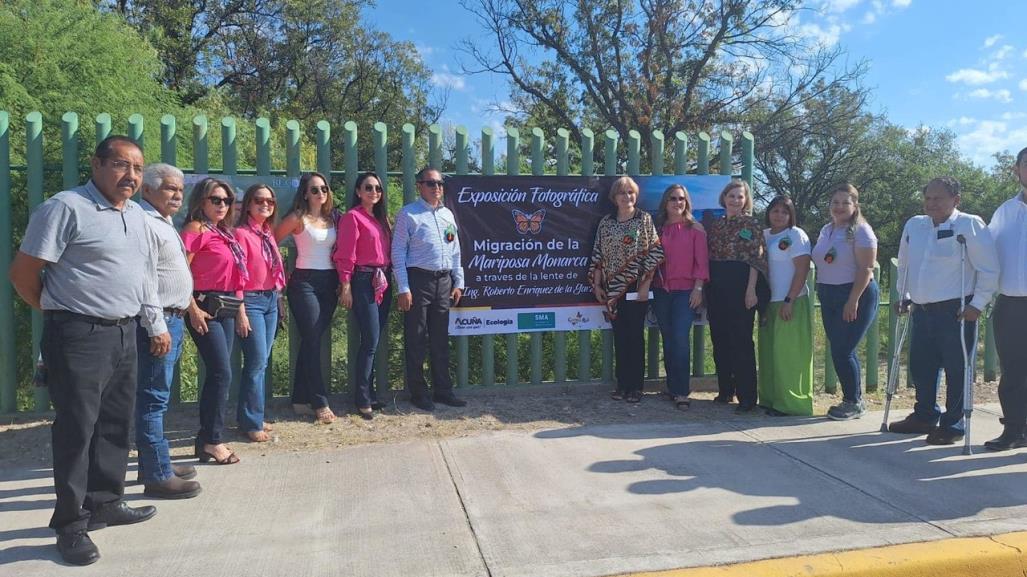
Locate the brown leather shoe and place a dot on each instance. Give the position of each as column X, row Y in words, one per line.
column 184, row 472
column 173, row 488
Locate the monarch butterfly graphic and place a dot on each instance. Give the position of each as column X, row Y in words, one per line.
column 529, row 224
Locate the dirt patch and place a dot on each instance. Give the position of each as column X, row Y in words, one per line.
column 25, row 439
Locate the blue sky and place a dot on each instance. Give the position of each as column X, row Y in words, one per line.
column 943, row 63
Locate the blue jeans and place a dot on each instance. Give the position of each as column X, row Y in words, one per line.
column 262, row 312
column 371, row 318
column 844, row 337
column 215, row 349
column 152, row 394
column 934, row 344
column 675, row 315
column 313, row 296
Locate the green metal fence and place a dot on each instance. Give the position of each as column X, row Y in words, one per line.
column 677, row 153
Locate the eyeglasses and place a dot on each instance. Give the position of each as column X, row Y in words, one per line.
column 220, row 200
column 264, row 201
column 625, row 193
column 372, row 188
column 124, row 165
column 677, row 199
column 319, row 190
column 431, row 183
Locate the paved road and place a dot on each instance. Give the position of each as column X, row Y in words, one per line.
column 569, row 502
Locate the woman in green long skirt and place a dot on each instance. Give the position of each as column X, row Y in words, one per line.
column 786, row 338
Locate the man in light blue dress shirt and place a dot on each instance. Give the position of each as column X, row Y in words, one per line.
column 429, row 280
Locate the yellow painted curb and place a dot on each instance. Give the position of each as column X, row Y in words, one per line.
column 999, row 555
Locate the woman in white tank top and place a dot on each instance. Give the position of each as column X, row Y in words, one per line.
column 312, row 290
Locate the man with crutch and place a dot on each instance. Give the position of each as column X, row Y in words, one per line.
column 1009, row 228
column 948, row 269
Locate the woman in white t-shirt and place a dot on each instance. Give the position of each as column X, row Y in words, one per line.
column 786, row 340
column 312, row 290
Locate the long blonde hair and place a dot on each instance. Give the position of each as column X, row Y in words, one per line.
column 857, row 216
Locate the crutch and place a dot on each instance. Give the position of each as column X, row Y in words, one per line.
column 969, row 357
column 893, row 371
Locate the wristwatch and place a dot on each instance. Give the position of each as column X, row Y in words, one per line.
column 788, row 299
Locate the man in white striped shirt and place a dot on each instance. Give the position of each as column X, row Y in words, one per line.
column 1009, row 227
column 163, row 190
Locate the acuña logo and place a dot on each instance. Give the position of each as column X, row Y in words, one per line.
column 578, row 319
column 468, row 322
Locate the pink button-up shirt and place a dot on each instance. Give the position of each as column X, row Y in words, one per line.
column 361, row 242
column 213, row 266
column 261, row 278
column 686, row 257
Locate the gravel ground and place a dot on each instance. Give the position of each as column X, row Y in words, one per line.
column 25, row 439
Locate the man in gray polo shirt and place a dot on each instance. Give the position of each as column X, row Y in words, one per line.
column 99, row 256
column 163, row 189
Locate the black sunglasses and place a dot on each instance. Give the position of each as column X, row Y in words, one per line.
column 220, row 200
column 431, row 183
column 373, row 188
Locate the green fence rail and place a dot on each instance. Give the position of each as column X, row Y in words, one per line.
column 618, row 158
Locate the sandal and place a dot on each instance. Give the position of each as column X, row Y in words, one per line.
column 633, row 397
column 366, row 413
column 206, row 456
column 617, row 395
column 259, row 436
column 325, row 416
column 268, row 428
column 682, row 403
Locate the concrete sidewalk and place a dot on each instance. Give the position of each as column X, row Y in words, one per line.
column 586, row 501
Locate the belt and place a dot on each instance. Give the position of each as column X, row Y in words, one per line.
column 62, row 316
column 1024, row 298
column 942, row 305
column 434, row 273
column 171, row 311
column 372, row 268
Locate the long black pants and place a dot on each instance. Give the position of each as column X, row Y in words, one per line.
column 734, row 352
column 1010, row 318
column 629, row 345
column 426, row 329
column 91, row 375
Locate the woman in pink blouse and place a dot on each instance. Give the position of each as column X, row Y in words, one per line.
column 678, row 286
column 361, row 257
column 260, row 293
column 218, row 264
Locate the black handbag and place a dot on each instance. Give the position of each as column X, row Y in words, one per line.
column 219, row 306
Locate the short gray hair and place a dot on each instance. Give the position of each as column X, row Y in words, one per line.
column 154, row 174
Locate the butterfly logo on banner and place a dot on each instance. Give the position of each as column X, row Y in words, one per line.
column 529, row 223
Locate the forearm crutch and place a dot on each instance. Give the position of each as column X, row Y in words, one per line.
column 969, row 356
column 893, row 371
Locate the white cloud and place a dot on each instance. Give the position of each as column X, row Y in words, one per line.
column 825, row 36
column 989, row 137
column 448, row 80
column 975, row 77
column 1002, row 95
column 961, row 121
column 869, row 18
column 1003, row 52
column 991, row 40
column 840, row 5
column 901, row 3
column 1025, row 53
column 1023, row 84
column 1013, row 115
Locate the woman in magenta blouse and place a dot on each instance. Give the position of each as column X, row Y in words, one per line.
column 678, row 286
column 260, row 293
column 361, row 257
column 218, row 264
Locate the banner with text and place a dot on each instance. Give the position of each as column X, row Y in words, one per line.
column 526, row 241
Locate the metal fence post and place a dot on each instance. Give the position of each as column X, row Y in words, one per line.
column 513, row 168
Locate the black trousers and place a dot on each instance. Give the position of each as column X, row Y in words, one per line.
column 1010, row 318
column 734, row 352
column 629, row 345
column 91, row 374
column 426, row 329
